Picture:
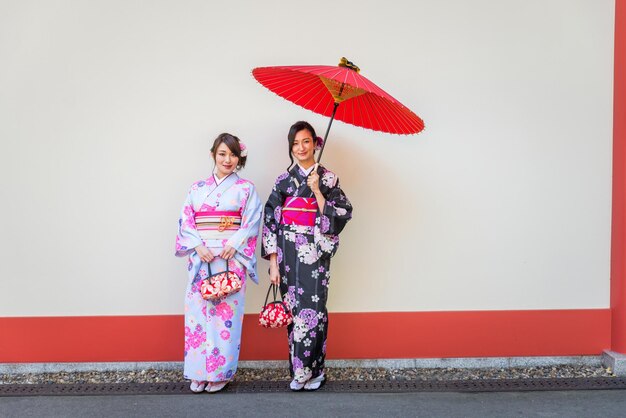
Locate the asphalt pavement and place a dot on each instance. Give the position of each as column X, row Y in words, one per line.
column 592, row 403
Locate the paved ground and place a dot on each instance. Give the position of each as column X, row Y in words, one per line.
column 597, row 403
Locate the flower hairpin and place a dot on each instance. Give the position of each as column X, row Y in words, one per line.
column 243, row 148
column 319, row 143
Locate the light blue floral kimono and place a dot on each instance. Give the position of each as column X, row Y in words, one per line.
column 213, row 328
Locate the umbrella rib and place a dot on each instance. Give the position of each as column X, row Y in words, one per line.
column 381, row 117
column 412, row 121
column 366, row 110
column 387, row 113
column 310, row 85
column 394, row 114
column 401, row 117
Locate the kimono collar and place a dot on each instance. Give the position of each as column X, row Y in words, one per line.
column 306, row 171
column 216, row 189
column 218, row 180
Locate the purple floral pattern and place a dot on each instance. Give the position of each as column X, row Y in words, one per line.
column 304, row 254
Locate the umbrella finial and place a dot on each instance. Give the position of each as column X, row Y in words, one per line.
column 343, row 62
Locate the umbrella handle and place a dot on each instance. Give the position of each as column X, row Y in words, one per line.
column 332, row 117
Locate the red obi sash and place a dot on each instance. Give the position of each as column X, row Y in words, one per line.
column 299, row 211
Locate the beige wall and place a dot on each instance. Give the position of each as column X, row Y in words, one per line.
column 107, row 109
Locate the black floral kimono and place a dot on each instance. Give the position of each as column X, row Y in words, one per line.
column 304, row 253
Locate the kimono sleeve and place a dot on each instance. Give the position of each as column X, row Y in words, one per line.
column 272, row 214
column 187, row 238
column 337, row 210
column 244, row 240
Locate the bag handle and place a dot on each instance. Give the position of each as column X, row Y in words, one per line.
column 208, row 265
column 275, row 289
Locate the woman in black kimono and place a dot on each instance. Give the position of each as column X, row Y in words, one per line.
column 303, row 217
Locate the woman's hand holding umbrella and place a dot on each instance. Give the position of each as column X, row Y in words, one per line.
column 313, row 181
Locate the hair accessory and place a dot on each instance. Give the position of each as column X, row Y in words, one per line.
column 319, row 143
column 244, row 149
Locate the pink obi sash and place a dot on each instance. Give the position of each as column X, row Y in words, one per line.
column 299, row 211
column 217, row 224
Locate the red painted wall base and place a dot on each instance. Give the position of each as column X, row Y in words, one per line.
column 351, row 336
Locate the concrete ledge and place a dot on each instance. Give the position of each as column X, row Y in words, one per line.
column 615, row 361
column 431, row 363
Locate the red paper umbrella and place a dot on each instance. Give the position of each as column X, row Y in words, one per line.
column 340, row 92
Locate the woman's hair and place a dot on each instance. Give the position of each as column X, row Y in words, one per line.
column 232, row 142
column 295, row 128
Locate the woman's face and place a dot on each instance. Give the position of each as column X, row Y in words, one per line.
column 225, row 161
column 303, row 147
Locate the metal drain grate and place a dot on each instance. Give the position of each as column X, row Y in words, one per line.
column 182, row 388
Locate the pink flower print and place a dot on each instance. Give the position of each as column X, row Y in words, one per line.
column 244, row 201
column 188, row 211
column 221, row 360
column 211, row 364
column 195, row 339
column 204, row 310
column 238, row 271
column 287, row 269
column 225, row 335
column 212, row 311
column 300, row 290
column 307, row 353
column 216, row 351
column 224, row 311
column 249, row 250
column 207, row 208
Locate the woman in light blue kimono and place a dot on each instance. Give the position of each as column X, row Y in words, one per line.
column 219, row 224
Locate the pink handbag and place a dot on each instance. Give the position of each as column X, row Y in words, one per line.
column 274, row 314
column 218, row 285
